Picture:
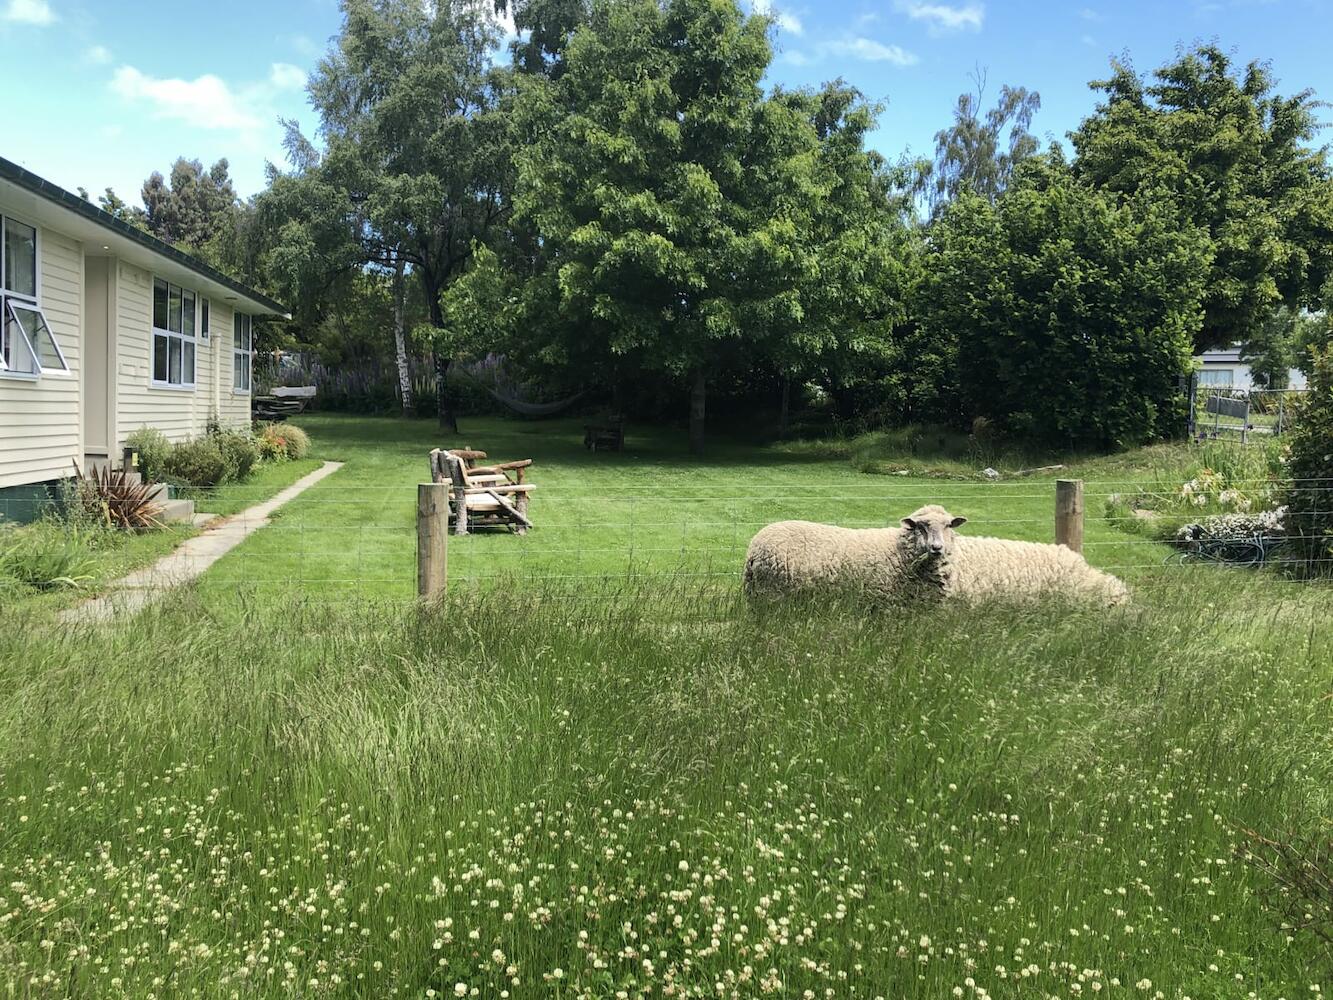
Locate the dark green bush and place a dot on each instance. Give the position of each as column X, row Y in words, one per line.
column 1309, row 465
column 199, row 462
column 239, row 452
column 154, row 450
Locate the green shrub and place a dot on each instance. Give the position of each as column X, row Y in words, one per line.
column 1309, row 467
column 279, row 442
column 154, row 449
column 46, row 556
column 239, row 452
column 199, row 462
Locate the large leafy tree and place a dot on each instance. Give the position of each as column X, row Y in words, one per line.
column 1236, row 159
column 189, row 208
column 415, row 168
column 978, row 153
column 1073, row 314
column 853, row 307
column 670, row 197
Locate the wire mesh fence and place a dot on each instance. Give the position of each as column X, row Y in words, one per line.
column 1222, row 412
column 339, row 542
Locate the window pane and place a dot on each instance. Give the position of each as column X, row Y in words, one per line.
column 187, row 364
column 160, row 304
column 187, row 305
column 203, row 318
column 174, row 309
column 160, row 359
column 40, row 337
column 20, row 258
column 174, row 368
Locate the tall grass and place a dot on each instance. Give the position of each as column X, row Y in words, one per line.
column 652, row 792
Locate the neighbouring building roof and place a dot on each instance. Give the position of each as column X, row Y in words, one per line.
column 26, row 180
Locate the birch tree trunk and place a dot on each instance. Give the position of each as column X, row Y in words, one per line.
column 400, row 338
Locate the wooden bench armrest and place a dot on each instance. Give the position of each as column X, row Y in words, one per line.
column 501, row 488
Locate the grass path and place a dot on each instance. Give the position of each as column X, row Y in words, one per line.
column 651, row 508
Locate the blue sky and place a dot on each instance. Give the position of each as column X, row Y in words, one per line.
column 102, row 93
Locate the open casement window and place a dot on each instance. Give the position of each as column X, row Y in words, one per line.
column 242, row 354
column 27, row 345
column 173, row 335
column 28, row 348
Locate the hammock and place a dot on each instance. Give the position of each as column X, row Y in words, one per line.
column 535, row 409
column 523, row 406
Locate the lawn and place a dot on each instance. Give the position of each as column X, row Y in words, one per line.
column 570, row 795
column 568, row 781
column 651, row 509
column 118, row 553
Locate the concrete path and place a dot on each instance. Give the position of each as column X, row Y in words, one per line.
column 191, row 558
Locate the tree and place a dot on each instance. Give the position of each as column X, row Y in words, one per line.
column 191, row 207
column 973, row 155
column 854, row 300
column 670, row 196
column 417, row 155
column 1073, row 314
column 1236, row 159
column 1271, row 349
column 1309, row 519
column 544, row 29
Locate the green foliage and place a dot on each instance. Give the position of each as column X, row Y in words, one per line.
column 154, row 451
column 198, row 462
column 843, row 772
column 281, row 442
column 1310, row 469
column 1073, row 314
column 46, row 556
column 1272, row 348
column 972, row 155
column 692, row 224
column 1236, row 159
column 193, row 206
column 238, row 450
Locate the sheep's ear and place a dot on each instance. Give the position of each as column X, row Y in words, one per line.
column 908, row 523
column 958, row 522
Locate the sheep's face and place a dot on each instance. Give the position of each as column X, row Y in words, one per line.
column 929, row 532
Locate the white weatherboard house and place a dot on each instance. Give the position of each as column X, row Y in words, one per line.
column 1223, row 369
column 105, row 329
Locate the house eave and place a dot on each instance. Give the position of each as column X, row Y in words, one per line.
column 125, row 240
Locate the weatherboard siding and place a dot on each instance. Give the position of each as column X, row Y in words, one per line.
column 234, row 407
column 40, row 422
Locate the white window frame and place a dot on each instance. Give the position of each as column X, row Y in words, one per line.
column 237, row 353
column 1211, row 383
column 9, row 321
column 155, row 331
column 202, row 332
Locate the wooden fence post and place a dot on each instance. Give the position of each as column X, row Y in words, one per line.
column 1069, row 513
column 432, row 539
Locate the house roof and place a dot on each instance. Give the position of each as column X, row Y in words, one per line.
column 26, row 180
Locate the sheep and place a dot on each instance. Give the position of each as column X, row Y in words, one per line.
column 792, row 557
column 922, row 557
column 976, row 568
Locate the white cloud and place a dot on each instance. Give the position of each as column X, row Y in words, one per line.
column 285, row 76
column 1088, row 14
column 941, row 17
column 784, row 19
column 35, row 12
column 97, row 55
column 795, row 57
column 206, row 101
column 1088, row 40
column 305, row 46
column 870, row 50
